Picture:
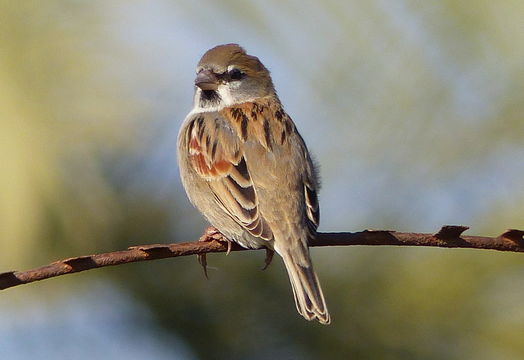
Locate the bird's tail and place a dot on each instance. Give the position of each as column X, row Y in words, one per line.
column 306, row 287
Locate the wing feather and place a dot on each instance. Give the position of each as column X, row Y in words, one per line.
column 216, row 154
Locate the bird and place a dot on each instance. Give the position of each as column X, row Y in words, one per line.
column 246, row 168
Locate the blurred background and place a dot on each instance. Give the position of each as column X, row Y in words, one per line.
column 414, row 110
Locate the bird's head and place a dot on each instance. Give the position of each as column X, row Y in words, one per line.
column 226, row 76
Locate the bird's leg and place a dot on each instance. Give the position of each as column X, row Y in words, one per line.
column 210, row 234
column 269, row 258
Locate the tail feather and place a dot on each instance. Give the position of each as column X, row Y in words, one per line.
column 309, row 298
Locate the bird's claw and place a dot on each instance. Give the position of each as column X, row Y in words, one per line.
column 202, row 260
column 269, row 258
column 210, row 234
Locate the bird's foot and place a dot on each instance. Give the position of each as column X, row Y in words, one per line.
column 211, row 234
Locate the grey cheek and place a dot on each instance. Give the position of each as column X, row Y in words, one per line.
column 234, row 85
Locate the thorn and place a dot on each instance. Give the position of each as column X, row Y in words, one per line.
column 269, row 258
column 447, row 232
column 514, row 235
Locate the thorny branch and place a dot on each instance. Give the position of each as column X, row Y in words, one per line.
column 448, row 236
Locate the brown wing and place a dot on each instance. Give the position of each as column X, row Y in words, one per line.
column 266, row 123
column 216, row 143
column 216, row 154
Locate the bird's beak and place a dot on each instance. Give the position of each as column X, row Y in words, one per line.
column 206, row 80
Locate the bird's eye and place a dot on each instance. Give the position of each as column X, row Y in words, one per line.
column 235, row 74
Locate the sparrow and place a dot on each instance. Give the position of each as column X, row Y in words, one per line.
column 246, row 168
